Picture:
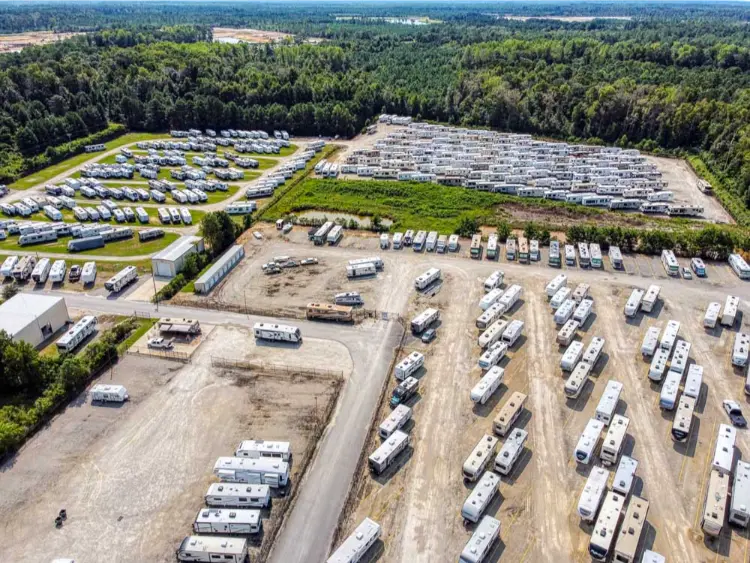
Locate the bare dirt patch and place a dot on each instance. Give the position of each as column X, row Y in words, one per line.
column 15, row 42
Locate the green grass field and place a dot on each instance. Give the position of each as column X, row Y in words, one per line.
column 153, row 217
column 122, row 248
column 144, row 325
column 50, row 172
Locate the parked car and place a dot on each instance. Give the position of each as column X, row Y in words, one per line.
column 687, row 274
column 308, row 261
column 429, row 335
column 75, row 273
column 160, row 344
column 734, row 411
column 258, row 235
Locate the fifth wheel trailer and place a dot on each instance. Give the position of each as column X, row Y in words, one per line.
column 121, row 279
column 481, row 541
column 227, row 521
column 354, row 548
column 480, row 498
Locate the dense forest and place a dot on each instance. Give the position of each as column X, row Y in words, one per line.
column 673, row 78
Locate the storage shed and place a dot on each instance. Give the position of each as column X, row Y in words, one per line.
column 220, row 269
column 170, row 261
column 33, row 318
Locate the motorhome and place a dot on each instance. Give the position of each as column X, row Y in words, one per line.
column 479, row 457
column 625, row 475
column 481, row 542
column 650, row 341
column 513, row 332
column 277, row 332
column 442, row 244
column 739, row 266
column 595, row 252
column 650, row 298
column 489, row 383
column 453, row 243
column 121, row 279
column 712, row 315
column 235, row 495
column 222, row 521
column 605, row 529
column 724, row 449
column 41, row 271
column 614, row 439
column 424, row 320
column 554, row 286
column 715, row 504
column 572, row 356
column 658, row 365
column 583, row 311
column 354, row 547
column 652, row 557
column 588, row 442
column 680, row 357
column 564, row 312
column 409, row 366
column 592, row 494
column 79, row 332
column 511, row 297
column 492, row 245
column 337, row 232
column 633, row 304
column 626, row 545
column 431, row 241
column 523, row 251
column 427, row 279
column 683, row 418
column 534, row 254
column 593, row 351
column 510, row 451
column 494, row 281
column 567, row 333
column 481, row 497
column 419, row 240
column 584, row 256
column 605, row 410
column 492, row 355
column 670, row 263
column 577, row 381
column 739, row 507
column 510, row 249
column 320, row 236
column 581, row 292
column 408, row 237
column 490, row 298
column 493, row 333
column 397, row 240
column 615, row 257
column 508, row 414
column 670, row 335
column 697, row 265
column 404, row 391
column 570, row 255
column 57, row 272
column 88, row 273
column 394, row 421
column 554, row 254
column 693, row 381
column 560, row 297
column 729, row 313
column 257, row 471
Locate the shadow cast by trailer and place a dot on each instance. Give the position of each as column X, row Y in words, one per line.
column 486, row 409
column 401, row 460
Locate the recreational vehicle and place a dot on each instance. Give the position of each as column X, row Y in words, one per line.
column 513, row 332
column 510, row 451
column 615, row 257
column 567, row 333
column 109, row 393
column 481, row 542
column 257, row 471
column 88, row 274
column 697, row 265
column 480, row 456
column 395, row 421
column 658, row 365
column 680, row 357
column 683, row 418
column 360, row 270
column 724, row 449
column 581, row 292
column 693, row 381
column 588, row 441
column 712, row 315
column 670, row 335
column 493, row 355
column 739, row 265
column 41, row 270
column 489, row 383
column 350, row 298
column 625, row 475
column 427, row 279
column 592, row 494
column 608, row 402
column 404, row 391
column 57, row 273
column 670, row 263
column 605, row 529
column 554, row 254
column 584, row 256
column 277, row 333
column 81, row 330
column 554, row 286
column 480, row 498
column 739, row 507
column 233, row 495
column 475, row 250
column 564, row 312
column 494, row 281
column 626, row 546
column 715, row 505
column 577, row 381
column 729, row 313
column 560, row 297
column 424, row 320
column 493, row 333
column 207, row 549
column 255, row 449
column 510, row 249
column 614, row 439
column 633, row 304
column 570, row 255
column 431, row 241
column 650, row 341
column 354, row 548
column 419, row 240
column 572, row 356
column 583, row 311
column 595, row 252
column 593, row 351
column 223, row 521
column 651, row 297
column 508, row 414
column 121, row 279
column 409, row 366
column 490, row 299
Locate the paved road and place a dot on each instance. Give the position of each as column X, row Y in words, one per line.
column 306, row 537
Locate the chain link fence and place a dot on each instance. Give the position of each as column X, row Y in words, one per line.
column 164, row 354
column 266, row 367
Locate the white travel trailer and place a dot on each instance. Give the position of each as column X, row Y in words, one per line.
column 693, row 381
column 577, row 380
column 584, row 256
column 88, row 273
column 424, row 320
column 739, row 265
column 554, row 286
column 121, row 279
column 650, row 341
column 724, row 450
column 589, row 440
column 592, row 494
column 491, row 315
column 492, row 334
column 397, row 240
column 564, row 312
column 624, row 475
column 715, row 505
column 494, row 281
column 57, row 273
column 562, row 295
column 615, row 257
column 234, row 495
column 481, row 541
column 594, row 351
column 41, row 271
column 489, row 383
column 739, row 507
column 508, row 415
column 360, row 270
column 572, row 356
column 431, row 241
column 511, row 296
column 408, row 366
column 354, row 548
column 633, row 303
column 255, row 449
column 395, row 421
column 683, row 418
column 652, row 557
column 109, row 393
column 630, row 532
column 513, row 332
column 77, row 334
column 453, row 243
column 658, row 365
column 277, row 333
column 207, row 549
column 480, row 498
column 712, row 314
column 388, row 451
column 490, row 299
column 428, row 278
column 493, row 355
column 730, row 310
column 348, row 298
column 680, row 357
column 670, row 335
column 583, row 311
column 480, row 456
column 511, row 451
column 605, row 410
column 651, row 297
column 223, row 521
column 581, row 292
column 258, row 471
column 614, row 439
column 567, row 333
column 670, row 389
column 596, row 255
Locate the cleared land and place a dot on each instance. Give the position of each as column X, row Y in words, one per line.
column 136, row 474
column 15, row 42
column 246, row 35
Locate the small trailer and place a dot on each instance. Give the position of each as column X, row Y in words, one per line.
column 109, row 393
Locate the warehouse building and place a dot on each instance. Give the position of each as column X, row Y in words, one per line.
column 170, row 261
column 33, row 318
column 220, row 269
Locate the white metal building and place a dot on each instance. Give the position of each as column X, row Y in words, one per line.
column 33, row 318
column 170, row 261
column 220, row 269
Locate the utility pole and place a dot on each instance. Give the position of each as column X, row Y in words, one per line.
column 156, row 294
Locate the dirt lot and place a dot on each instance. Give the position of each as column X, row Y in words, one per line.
column 248, row 35
column 15, row 42
column 132, row 477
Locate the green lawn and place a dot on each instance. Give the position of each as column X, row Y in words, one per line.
column 50, row 172
column 144, row 325
column 122, row 248
column 153, row 216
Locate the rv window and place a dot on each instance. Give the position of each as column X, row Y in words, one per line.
column 243, row 499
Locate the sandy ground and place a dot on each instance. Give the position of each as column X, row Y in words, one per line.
column 133, row 477
column 15, row 42
column 249, row 35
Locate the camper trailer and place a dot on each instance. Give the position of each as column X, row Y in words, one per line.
column 480, row 456
column 633, row 305
column 508, row 414
column 588, row 441
column 121, row 279
column 395, row 421
column 427, row 279
column 109, row 393
column 235, row 495
column 354, row 547
column 511, row 451
column 277, row 333
column 592, row 494
column 729, row 313
column 388, row 451
column 489, row 383
column 614, row 439
column 81, row 330
column 409, row 366
column 577, row 381
column 650, row 341
column 481, row 542
column 257, row 471
column 480, row 498
column 608, row 402
column 227, row 521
